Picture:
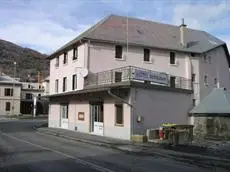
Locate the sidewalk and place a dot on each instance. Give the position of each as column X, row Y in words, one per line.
column 192, row 154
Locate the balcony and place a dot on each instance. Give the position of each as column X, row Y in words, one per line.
column 131, row 73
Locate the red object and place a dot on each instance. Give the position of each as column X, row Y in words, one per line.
column 161, row 133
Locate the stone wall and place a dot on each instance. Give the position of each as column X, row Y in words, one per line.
column 212, row 126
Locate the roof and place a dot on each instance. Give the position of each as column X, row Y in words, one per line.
column 217, row 102
column 5, row 79
column 146, row 33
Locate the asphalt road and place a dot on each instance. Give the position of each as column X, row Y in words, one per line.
column 24, row 150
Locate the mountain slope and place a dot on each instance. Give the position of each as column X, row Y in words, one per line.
column 29, row 62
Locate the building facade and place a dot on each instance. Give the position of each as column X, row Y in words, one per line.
column 187, row 62
column 10, row 92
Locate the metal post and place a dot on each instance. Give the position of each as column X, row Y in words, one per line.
column 13, row 92
column 35, row 106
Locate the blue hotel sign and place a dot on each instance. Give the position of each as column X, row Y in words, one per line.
column 157, row 77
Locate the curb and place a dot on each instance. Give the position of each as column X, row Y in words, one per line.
column 198, row 160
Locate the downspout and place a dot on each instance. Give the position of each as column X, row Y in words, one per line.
column 126, row 102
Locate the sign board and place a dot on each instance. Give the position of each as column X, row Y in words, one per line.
column 157, row 77
column 81, row 116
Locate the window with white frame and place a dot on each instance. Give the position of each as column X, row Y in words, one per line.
column 65, row 58
column 119, row 114
column 64, row 86
column 75, row 53
column 74, row 82
column 146, row 55
column 9, row 92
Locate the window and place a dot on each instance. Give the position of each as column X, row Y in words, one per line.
column 118, row 53
column 57, row 62
column 119, row 114
column 215, row 81
column 8, row 91
column 146, row 55
column 193, row 55
column 29, row 96
column 29, row 86
column 172, row 81
column 194, row 102
column 75, row 53
column 205, row 79
column 118, row 76
column 64, row 84
column 74, row 82
column 172, row 58
column 64, row 111
column 65, row 58
column 193, row 77
column 209, row 59
column 39, row 86
column 7, row 107
column 56, row 85
column 205, row 57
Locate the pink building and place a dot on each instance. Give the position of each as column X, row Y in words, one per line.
column 124, row 75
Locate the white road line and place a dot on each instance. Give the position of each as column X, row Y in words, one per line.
column 83, row 162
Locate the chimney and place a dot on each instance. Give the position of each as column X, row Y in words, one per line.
column 182, row 33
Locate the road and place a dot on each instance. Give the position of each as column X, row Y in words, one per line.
column 24, row 150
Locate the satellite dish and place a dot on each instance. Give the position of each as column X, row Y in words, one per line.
column 82, row 72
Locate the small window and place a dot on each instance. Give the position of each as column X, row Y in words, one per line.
column 74, row 82
column 194, row 102
column 56, row 85
column 205, row 79
column 29, row 86
column 118, row 53
column 172, row 81
column 39, row 96
column 193, row 77
column 146, row 55
column 118, row 76
column 64, row 84
column 205, row 58
column 215, row 81
column 7, row 107
column 75, row 53
column 209, row 59
column 57, row 62
column 193, row 55
column 172, row 58
column 65, row 58
column 119, row 114
column 8, row 91
column 39, row 86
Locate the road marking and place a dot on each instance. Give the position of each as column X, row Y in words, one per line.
column 83, row 162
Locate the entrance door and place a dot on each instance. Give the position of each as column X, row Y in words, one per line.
column 64, row 116
column 97, row 118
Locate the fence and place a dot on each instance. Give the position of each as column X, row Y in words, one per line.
column 131, row 73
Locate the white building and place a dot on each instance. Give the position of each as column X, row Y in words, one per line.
column 95, row 79
column 10, row 92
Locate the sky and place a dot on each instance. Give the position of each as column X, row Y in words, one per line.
column 46, row 25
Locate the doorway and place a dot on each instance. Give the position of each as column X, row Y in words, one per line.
column 97, row 118
column 64, row 116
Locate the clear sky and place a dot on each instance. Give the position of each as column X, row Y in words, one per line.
column 45, row 25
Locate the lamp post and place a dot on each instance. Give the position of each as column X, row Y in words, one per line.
column 13, row 92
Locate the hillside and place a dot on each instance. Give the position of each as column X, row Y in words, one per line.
column 29, row 61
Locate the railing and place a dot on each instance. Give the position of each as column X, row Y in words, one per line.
column 131, row 73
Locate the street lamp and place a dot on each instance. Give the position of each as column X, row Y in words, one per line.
column 14, row 87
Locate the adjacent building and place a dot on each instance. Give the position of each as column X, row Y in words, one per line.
column 10, row 92
column 124, row 75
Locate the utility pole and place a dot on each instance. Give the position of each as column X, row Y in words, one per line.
column 13, row 91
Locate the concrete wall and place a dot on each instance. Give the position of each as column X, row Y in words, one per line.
column 4, row 99
column 67, row 70
column 219, row 126
column 157, row 107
